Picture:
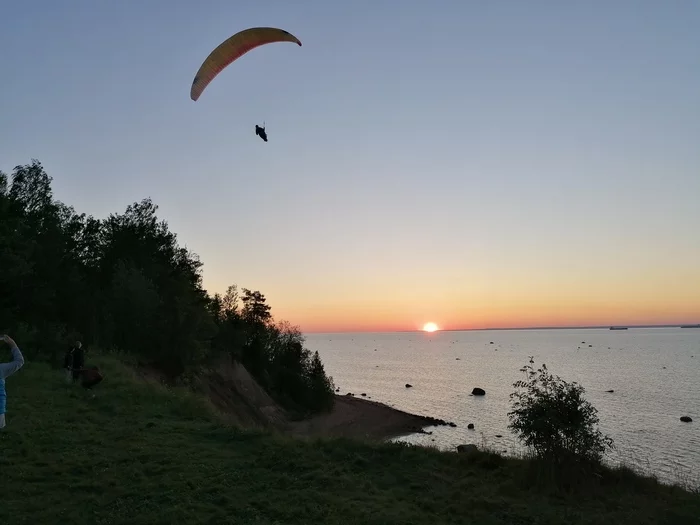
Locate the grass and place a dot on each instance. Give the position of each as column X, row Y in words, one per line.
column 139, row 453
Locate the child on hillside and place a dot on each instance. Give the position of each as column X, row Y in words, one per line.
column 6, row 370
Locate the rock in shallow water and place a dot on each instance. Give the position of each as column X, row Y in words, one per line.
column 468, row 449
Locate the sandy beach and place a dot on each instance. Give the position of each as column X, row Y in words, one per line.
column 362, row 418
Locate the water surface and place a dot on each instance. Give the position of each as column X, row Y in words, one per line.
column 654, row 372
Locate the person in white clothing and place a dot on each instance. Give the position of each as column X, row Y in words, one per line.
column 6, row 370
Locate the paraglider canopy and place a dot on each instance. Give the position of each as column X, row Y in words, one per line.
column 233, row 48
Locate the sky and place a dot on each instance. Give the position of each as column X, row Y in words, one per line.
column 473, row 164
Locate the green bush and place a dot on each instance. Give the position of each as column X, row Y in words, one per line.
column 554, row 420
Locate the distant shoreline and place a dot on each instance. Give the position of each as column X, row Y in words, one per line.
column 523, row 328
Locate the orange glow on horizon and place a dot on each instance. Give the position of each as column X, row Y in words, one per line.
column 516, row 299
column 498, row 316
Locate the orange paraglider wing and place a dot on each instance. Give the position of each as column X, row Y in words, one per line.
column 234, row 48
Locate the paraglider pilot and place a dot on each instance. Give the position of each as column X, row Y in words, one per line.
column 260, row 132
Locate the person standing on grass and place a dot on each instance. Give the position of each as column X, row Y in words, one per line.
column 6, row 370
column 73, row 362
column 78, row 360
column 68, row 364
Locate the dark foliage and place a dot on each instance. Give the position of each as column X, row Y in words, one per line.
column 554, row 420
column 124, row 283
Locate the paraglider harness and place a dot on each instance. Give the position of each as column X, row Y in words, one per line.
column 260, row 132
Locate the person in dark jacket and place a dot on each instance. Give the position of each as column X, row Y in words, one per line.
column 68, row 364
column 78, row 360
column 74, row 361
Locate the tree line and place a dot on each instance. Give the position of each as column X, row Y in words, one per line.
column 125, row 283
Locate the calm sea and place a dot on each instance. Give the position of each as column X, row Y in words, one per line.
column 654, row 372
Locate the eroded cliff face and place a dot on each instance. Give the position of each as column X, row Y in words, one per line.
column 239, row 397
column 241, row 401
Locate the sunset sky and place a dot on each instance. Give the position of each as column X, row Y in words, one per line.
column 474, row 164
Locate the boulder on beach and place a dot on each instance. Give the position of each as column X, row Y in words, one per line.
column 409, row 385
column 610, row 391
column 686, row 419
column 478, row 391
column 470, row 426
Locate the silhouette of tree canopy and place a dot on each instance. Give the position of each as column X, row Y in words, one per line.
column 124, row 283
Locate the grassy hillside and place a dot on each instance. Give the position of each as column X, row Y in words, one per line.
column 140, row 454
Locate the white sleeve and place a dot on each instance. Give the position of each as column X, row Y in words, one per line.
column 7, row 369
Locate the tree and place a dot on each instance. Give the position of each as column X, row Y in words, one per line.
column 321, row 387
column 229, row 303
column 124, row 282
column 31, row 187
column 552, row 418
column 256, row 311
column 35, row 255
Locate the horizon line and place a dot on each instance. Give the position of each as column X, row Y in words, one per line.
column 573, row 327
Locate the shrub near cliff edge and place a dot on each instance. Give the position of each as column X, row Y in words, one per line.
column 554, row 420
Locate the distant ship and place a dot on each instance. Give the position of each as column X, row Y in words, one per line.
column 618, row 328
column 690, row 326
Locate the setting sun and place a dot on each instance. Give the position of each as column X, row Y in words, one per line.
column 430, row 327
